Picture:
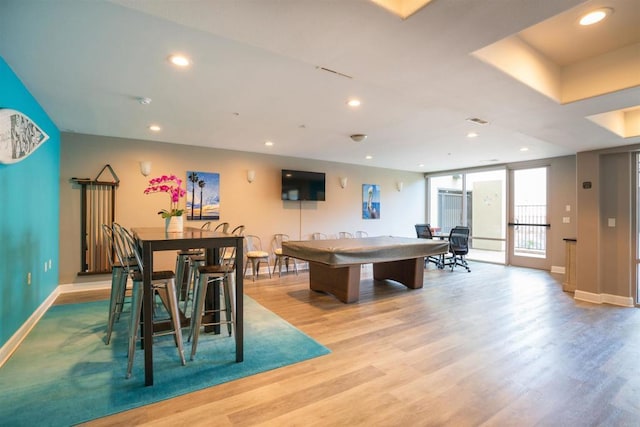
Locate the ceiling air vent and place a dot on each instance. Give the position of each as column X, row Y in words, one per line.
column 334, row 72
column 477, row 121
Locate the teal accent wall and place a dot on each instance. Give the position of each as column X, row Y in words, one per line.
column 29, row 214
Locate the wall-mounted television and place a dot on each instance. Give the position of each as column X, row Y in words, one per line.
column 301, row 185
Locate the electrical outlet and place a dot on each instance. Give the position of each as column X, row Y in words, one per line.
column 566, row 219
column 28, row 278
column 45, row 266
column 49, row 263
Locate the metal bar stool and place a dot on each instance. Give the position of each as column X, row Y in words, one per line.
column 163, row 283
column 119, row 275
column 182, row 264
column 211, row 275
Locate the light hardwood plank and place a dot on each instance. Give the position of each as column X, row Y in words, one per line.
column 498, row 346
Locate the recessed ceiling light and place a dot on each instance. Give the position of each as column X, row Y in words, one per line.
column 595, row 16
column 353, row 102
column 269, row 143
column 368, row 157
column 179, row 60
column 472, row 135
column 144, row 100
column 421, row 165
column 155, row 128
column 524, row 149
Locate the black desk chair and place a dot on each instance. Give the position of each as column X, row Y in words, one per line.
column 423, row 231
column 458, row 248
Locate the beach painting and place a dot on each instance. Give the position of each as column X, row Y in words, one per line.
column 19, row 136
column 203, row 195
column 370, row 201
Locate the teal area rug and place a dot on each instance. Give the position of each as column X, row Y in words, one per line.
column 63, row 373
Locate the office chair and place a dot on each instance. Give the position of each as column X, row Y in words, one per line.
column 458, row 248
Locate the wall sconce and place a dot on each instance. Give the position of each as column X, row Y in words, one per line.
column 343, row 182
column 145, row 168
column 251, row 175
column 399, row 185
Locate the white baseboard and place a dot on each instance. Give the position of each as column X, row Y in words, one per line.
column 604, row 299
column 12, row 344
column 302, row 266
column 558, row 269
column 87, row 286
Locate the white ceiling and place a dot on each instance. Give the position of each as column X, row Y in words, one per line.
column 256, row 76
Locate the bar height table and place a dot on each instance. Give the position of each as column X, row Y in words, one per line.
column 157, row 239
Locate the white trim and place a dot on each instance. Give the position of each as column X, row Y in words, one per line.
column 12, row 344
column 604, row 299
column 558, row 269
column 79, row 287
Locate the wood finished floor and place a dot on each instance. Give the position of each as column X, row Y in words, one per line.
column 499, row 346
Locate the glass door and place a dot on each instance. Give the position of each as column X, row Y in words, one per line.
column 476, row 200
column 487, row 215
column 447, row 206
column 528, row 222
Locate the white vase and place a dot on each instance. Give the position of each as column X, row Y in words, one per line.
column 174, row 224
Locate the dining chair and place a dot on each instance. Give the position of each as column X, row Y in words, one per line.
column 222, row 227
column 238, row 231
column 279, row 257
column 360, row 234
column 255, row 255
column 318, row 236
column 163, row 284
column 345, row 235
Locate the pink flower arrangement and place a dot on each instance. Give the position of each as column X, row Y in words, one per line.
column 168, row 184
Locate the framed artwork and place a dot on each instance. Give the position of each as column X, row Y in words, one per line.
column 203, row 195
column 370, row 201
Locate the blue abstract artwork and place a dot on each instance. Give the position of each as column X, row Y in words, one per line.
column 370, row 201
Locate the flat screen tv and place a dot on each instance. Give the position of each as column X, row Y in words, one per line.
column 301, row 185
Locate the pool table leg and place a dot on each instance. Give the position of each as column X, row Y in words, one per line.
column 341, row 282
column 409, row 272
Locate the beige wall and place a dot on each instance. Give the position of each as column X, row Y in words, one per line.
column 605, row 254
column 615, row 242
column 562, row 193
column 256, row 205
